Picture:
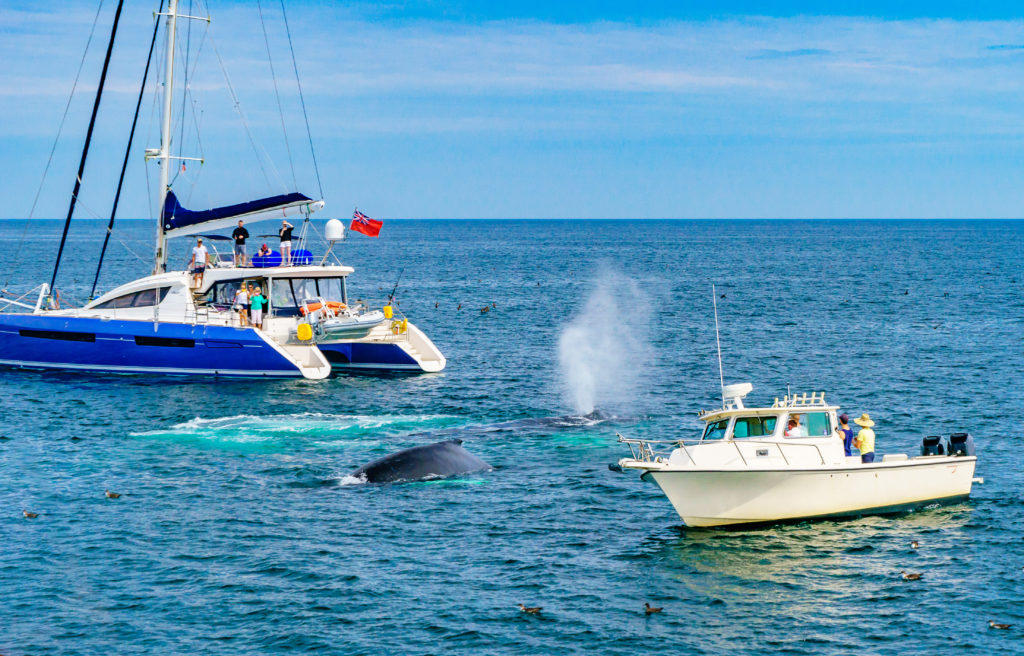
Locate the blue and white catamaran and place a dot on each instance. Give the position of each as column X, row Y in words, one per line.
column 160, row 324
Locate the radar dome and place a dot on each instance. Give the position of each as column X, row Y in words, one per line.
column 335, row 230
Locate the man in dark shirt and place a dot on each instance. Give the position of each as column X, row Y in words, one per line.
column 240, row 234
column 285, row 233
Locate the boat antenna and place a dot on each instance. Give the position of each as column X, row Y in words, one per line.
column 718, row 343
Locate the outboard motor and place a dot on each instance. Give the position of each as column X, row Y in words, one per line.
column 934, row 445
column 961, row 444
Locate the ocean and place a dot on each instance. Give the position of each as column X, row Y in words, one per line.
column 238, row 531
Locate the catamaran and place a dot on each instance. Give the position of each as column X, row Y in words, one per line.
column 162, row 324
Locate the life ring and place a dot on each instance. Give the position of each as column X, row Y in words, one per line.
column 399, row 327
column 334, row 306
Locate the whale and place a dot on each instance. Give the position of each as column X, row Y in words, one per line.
column 429, row 461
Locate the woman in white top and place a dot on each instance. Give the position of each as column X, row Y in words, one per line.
column 239, row 304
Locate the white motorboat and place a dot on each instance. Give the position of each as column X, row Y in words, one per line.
column 747, row 468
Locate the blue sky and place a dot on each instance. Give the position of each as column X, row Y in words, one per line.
column 540, row 109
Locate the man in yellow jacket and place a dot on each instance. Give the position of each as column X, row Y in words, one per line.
column 865, row 440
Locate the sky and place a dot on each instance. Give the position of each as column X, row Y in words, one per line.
column 530, row 109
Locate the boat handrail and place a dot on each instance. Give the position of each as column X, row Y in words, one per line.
column 643, row 450
column 780, row 444
column 816, row 399
column 44, row 289
column 646, row 450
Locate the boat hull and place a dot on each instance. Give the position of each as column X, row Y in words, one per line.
column 735, row 497
column 121, row 346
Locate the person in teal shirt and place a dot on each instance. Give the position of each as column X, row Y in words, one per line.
column 257, row 302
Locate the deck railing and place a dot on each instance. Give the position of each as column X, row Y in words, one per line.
column 657, row 451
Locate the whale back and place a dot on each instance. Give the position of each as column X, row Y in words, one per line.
column 438, row 460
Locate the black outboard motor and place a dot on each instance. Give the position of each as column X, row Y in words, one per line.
column 934, row 445
column 961, row 444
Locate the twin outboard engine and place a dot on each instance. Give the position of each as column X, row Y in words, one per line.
column 934, row 445
column 961, row 444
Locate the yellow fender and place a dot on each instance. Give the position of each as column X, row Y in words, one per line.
column 304, row 332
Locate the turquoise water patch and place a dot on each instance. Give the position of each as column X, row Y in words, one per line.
column 312, row 430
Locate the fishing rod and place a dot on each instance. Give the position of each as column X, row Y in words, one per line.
column 391, row 296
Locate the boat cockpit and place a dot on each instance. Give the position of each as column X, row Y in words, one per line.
column 774, row 423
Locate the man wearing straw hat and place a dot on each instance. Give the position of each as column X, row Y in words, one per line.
column 865, row 440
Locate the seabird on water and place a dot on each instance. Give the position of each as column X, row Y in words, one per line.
column 531, row 610
column 651, row 610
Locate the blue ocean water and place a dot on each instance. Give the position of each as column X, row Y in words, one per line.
column 237, row 532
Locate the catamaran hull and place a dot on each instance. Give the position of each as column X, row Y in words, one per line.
column 113, row 346
column 411, row 351
column 732, row 497
column 30, row 341
column 368, row 356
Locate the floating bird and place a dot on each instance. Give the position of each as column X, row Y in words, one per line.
column 531, row 610
column 915, row 544
column 722, row 296
column 113, row 495
column 494, row 305
column 911, row 576
column 436, row 305
column 651, row 610
column 29, row 515
column 993, row 625
column 485, row 309
column 460, row 307
column 906, row 292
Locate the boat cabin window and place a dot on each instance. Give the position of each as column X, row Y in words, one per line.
column 818, row 424
column 754, row 426
column 715, row 430
column 145, row 298
column 222, row 294
column 810, row 424
column 288, row 293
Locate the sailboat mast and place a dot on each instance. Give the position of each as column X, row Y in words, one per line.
column 165, row 134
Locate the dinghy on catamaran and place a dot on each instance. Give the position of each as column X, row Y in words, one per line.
column 161, row 324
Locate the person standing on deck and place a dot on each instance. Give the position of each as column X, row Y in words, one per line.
column 240, row 234
column 285, row 233
column 200, row 258
column 257, row 301
column 241, row 304
column 865, row 440
column 846, row 433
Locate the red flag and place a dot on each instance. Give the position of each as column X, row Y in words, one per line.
column 366, row 225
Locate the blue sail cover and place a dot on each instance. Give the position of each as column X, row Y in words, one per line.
column 176, row 217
